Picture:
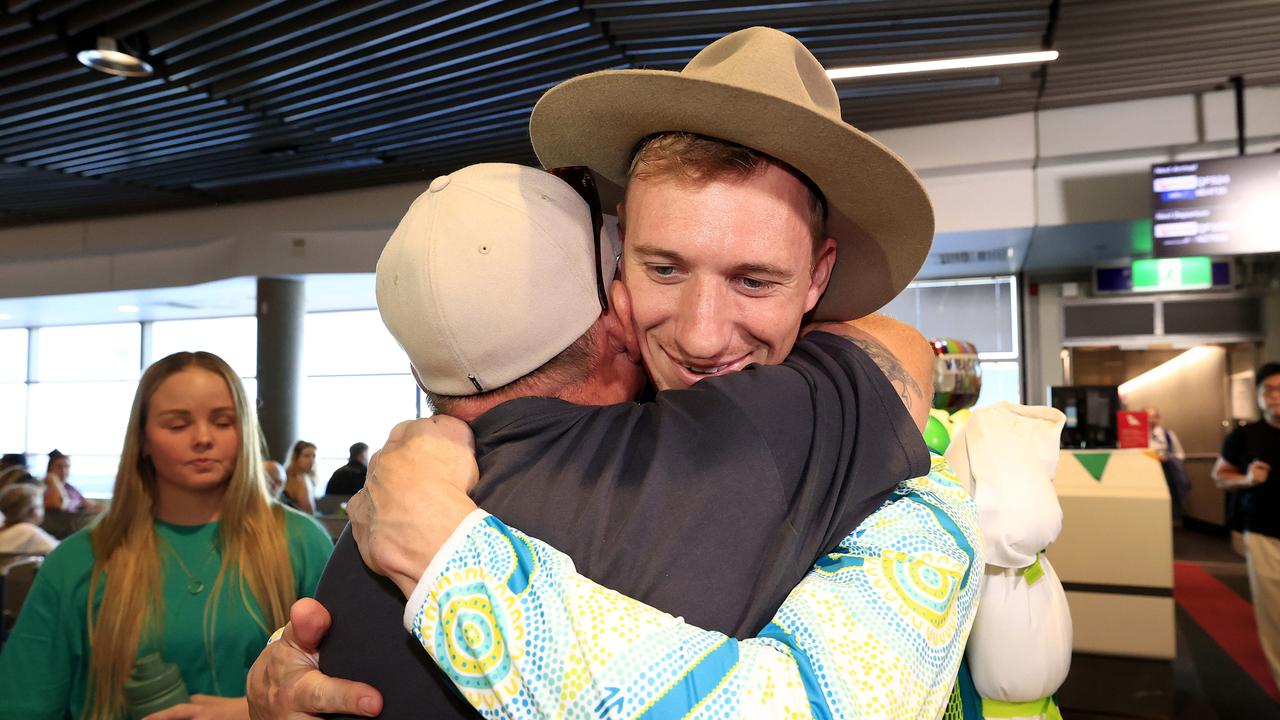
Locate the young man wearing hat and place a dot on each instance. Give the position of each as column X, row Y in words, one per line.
column 751, row 306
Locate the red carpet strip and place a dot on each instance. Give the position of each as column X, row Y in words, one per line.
column 1226, row 617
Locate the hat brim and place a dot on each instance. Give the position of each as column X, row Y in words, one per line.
column 879, row 213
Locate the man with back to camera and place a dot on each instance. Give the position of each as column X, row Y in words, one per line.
column 718, row 292
column 1244, row 467
column 348, row 479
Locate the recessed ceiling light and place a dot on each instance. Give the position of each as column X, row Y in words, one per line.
column 128, row 308
column 109, row 58
column 947, row 64
column 5, row 316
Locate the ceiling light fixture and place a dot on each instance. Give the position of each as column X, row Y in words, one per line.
column 5, row 316
column 128, row 308
column 114, row 58
column 947, row 64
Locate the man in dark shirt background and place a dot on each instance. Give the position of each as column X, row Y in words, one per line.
column 349, row 479
column 1244, row 467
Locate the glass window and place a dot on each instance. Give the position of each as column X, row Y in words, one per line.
column 338, row 412
column 981, row 311
column 84, row 418
column 13, row 357
column 89, row 352
column 13, row 418
column 93, row 475
column 350, row 343
column 234, row 339
column 1000, row 381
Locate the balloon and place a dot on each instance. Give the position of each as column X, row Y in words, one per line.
column 936, row 436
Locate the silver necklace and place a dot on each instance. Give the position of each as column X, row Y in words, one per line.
column 194, row 585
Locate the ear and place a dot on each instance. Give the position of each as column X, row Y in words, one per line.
column 619, row 323
column 824, row 261
column 417, row 379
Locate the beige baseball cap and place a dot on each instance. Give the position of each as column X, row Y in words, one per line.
column 490, row 274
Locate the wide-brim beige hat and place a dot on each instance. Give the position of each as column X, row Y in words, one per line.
column 763, row 89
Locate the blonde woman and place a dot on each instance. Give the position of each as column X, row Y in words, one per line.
column 192, row 561
column 300, row 477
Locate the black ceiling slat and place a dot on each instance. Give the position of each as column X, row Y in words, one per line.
column 252, row 49
column 359, row 49
column 100, row 13
column 117, row 95
column 273, row 98
column 211, row 146
column 22, row 41
column 47, row 153
column 400, row 109
column 78, row 82
column 46, row 56
column 440, row 74
column 47, row 9
column 419, row 59
column 10, row 24
column 217, row 19
column 156, row 14
column 174, row 108
column 176, row 144
column 53, row 76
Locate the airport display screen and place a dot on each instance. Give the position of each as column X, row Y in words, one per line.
column 1224, row 206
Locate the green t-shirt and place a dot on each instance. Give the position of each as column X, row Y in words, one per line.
column 44, row 666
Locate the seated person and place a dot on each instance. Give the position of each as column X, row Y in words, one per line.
column 23, row 511
column 191, row 561
column 59, row 493
column 300, row 478
column 348, row 479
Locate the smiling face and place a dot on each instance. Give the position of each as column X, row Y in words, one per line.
column 720, row 271
column 192, row 435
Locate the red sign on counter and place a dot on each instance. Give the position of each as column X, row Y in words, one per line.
column 1132, row 430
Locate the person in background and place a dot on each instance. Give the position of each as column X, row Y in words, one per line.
column 23, row 512
column 1244, row 467
column 348, row 479
column 9, row 460
column 1168, row 449
column 191, row 560
column 300, row 477
column 274, row 475
column 59, row 493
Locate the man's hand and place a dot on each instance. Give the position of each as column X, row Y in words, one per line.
column 1258, row 472
column 414, row 496
column 284, row 684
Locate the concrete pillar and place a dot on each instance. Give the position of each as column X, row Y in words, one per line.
column 281, row 304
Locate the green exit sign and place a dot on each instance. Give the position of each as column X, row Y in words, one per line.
column 1184, row 273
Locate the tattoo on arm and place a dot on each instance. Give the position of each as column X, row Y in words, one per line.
column 899, row 378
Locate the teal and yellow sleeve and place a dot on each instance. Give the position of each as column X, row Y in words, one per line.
column 876, row 629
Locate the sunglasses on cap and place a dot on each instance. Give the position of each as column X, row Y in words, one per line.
column 579, row 178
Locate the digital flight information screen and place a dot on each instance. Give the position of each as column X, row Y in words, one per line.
column 1223, row 206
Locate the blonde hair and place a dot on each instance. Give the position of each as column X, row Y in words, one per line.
column 126, row 556
column 17, row 501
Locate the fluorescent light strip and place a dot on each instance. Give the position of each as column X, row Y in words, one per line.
column 949, row 64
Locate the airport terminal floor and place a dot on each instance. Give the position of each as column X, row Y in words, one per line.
column 1219, row 672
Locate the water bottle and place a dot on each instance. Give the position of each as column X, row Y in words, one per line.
column 153, row 686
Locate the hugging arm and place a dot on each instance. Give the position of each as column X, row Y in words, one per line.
column 876, row 628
